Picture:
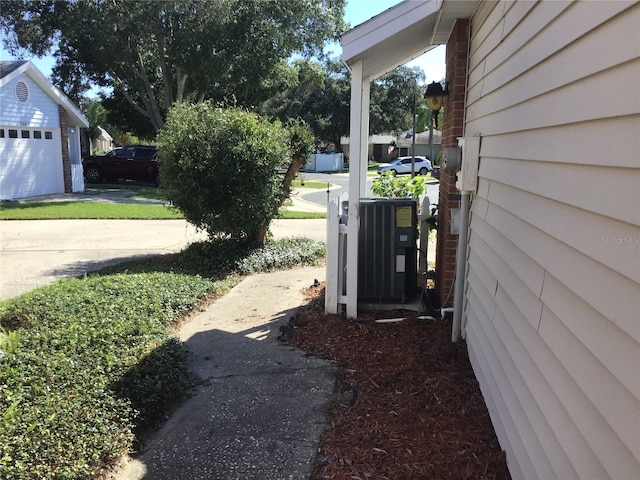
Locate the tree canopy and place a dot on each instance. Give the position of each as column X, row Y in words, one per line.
column 155, row 54
column 317, row 93
column 320, row 94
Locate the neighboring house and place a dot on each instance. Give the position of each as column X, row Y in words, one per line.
column 103, row 141
column 384, row 148
column 549, row 291
column 39, row 135
column 422, row 144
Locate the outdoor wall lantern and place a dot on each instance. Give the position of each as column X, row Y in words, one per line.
column 434, row 96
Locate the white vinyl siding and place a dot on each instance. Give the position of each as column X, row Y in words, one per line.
column 552, row 300
column 38, row 111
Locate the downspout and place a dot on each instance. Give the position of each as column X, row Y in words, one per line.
column 461, row 262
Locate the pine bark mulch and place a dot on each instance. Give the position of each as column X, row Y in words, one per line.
column 408, row 406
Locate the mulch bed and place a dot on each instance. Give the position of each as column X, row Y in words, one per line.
column 407, row 405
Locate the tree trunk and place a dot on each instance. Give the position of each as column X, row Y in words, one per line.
column 259, row 237
column 292, row 171
column 181, row 85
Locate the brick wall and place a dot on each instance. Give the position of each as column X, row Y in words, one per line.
column 453, row 127
column 64, row 140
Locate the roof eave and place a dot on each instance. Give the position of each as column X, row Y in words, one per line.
column 402, row 33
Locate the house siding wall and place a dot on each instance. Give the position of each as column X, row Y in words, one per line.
column 40, row 111
column 552, row 298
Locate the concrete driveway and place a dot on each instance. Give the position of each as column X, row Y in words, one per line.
column 37, row 252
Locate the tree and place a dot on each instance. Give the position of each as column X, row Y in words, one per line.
column 392, row 97
column 158, row 53
column 123, row 117
column 316, row 93
column 301, row 141
column 219, row 167
column 320, row 94
column 97, row 116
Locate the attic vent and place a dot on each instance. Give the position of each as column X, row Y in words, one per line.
column 22, row 91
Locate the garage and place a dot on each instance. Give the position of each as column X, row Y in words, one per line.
column 39, row 135
column 30, row 164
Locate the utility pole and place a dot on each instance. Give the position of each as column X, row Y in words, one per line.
column 413, row 136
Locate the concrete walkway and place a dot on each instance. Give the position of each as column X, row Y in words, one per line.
column 263, row 406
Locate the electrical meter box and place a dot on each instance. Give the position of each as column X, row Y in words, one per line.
column 387, row 250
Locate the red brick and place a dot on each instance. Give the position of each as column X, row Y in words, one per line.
column 64, row 139
column 456, row 58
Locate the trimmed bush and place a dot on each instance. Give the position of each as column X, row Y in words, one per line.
column 286, row 253
column 219, row 168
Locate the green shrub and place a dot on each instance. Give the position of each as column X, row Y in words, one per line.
column 219, row 168
column 89, row 360
column 387, row 185
column 286, row 253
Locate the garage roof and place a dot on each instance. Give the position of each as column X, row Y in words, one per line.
column 402, row 33
column 12, row 69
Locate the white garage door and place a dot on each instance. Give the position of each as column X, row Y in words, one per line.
column 30, row 162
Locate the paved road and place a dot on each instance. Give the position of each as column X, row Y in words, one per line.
column 37, row 252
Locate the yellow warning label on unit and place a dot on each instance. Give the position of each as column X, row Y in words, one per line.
column 403, row 217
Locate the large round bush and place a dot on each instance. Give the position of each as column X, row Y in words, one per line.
column 219, row 168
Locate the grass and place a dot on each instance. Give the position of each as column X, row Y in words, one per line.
column 308, row 184
column 294, row 215
column 87, row 363
column 149, row 192
column 86, row 210
column 112, row 211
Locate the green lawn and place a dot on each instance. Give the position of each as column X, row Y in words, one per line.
column 86, row 210
column 308, row 184
column 107, row 211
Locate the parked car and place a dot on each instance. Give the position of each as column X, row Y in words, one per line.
column 403, row 165
column 136, row 162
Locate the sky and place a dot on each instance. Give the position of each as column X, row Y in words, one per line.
column 356, row 12
column 359, row 11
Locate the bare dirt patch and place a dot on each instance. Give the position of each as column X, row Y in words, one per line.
column 408, row 405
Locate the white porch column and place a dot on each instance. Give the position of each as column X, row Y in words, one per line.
column 359, row 140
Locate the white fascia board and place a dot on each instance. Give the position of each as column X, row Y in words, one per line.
column 104, row 133
column 380, row 28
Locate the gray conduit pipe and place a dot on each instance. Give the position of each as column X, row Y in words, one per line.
column 461, row 262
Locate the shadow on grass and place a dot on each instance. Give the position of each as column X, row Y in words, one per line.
column 210, row 259
column 80, row 269
column 156, row 384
